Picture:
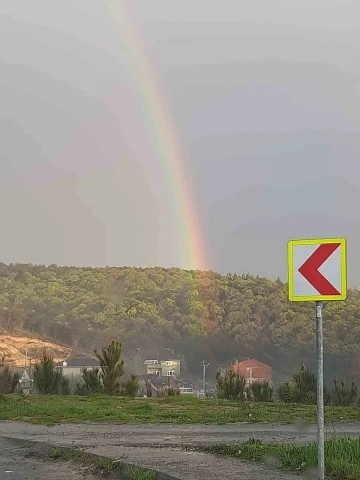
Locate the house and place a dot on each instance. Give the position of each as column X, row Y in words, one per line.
column 253, row 371
column 161, row 364
column 75, row 364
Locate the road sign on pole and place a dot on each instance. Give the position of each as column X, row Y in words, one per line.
column 317, row 273
column 317, row 270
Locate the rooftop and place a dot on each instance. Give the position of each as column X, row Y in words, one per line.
column 81, row 360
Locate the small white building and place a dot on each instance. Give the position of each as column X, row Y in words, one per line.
column 75, row 364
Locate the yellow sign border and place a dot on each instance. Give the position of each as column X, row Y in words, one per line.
column 317, row 298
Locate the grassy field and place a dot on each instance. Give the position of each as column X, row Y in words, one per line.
column 342, row 456
column 182, row 410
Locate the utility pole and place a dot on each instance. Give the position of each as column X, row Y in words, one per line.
column 320, row 390
column 204, row 376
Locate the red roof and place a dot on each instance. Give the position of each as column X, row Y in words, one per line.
column 253, row 369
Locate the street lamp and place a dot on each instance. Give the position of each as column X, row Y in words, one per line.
column 204, row 375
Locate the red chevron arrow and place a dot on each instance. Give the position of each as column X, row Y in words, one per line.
column 310, row 269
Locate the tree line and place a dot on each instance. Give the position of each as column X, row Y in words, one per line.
column 201, row 315
column 48, row 380
column 301, row 389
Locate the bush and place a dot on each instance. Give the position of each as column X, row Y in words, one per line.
column 164, row 392
column 286, row 392
column 74, row 380
column 343, row 395
column 306, row 386
column 8, row 380
column 91, row 383
column 230, row 386
column 46, row 379
column 303, row 389
column 262, row 392
column 64, row 387
column 131, row 387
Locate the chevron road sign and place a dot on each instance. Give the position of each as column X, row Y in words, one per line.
column 317, row 270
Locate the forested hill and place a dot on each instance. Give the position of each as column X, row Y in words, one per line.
column 202, row 315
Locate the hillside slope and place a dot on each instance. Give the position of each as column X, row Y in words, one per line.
column 14, row 346
column 201, row 315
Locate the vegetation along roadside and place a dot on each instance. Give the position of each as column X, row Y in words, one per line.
column 104, row 466
column 342, row 456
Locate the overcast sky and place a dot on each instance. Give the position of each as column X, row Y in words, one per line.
column 265, row 97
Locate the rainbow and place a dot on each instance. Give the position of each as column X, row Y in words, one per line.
column 164, row 138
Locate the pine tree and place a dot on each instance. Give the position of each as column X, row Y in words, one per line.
column 8, row 380
column 112, row 367
column 46, row 379
column 230, row 386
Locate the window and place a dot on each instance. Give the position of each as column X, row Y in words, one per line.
column 170, row 373
column 169, row 362
column 155, row 372
column 151, row 362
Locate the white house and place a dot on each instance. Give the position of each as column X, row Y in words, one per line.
column 75, row 364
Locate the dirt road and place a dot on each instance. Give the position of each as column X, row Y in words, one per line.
column 161, row 447
column 17, row 462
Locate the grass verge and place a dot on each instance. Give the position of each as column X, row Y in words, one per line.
column 342, row 456
column 101, row 465
column 55, row 409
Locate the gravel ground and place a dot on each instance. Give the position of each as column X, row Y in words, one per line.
column 161, row 447
column 17, row 462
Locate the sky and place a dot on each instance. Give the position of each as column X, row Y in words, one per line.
column 264, row 100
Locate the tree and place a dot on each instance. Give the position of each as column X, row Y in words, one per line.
column 8, row 380
column 91, row 383
column 305, row 386
column 343, row 395
column 112, row 367
column 286, row 392
column 131, row 387
column 262, row 392
column 230, row 386
column 303, row 389
column 46, row 379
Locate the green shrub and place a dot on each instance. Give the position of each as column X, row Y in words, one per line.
column 46, row 379
column 262, row 392
column 112, row 367
column 164, row 392
column 131, row 387
column 343, row 395
column 303, row 389
column 64, row 387
column 230, row 386
column 91, row 383
column 8, row 380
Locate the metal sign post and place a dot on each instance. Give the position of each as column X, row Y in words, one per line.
column 317, row 273
column 320, row 390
